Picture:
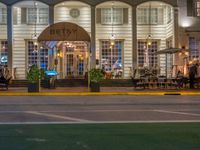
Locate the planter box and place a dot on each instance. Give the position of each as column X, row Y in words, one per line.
column 33, row 87
column 94, row 87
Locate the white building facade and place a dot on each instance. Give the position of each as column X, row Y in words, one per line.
column 124, row 35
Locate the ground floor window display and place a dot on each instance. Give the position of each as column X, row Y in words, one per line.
column 194, row 45
column 147, row 54
column 111, row 57
column 37, row 56
column 69, row 59
column 4, row 52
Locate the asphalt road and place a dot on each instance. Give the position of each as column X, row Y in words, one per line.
column 99, row 109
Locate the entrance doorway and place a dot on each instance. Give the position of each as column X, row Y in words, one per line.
column 72, row 59
column 69, row 45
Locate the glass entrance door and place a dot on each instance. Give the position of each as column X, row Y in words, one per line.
column 75, row 60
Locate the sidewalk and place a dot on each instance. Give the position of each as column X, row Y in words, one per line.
column 83, row 91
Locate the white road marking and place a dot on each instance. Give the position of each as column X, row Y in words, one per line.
column 176, row 112
column 56, row 116
column 102, row 122
column 84, row 111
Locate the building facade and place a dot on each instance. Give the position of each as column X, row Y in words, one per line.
column 124, row 35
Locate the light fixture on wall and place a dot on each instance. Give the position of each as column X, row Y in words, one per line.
column 35, row 35
column 149, row 36
column 148, row 39
column 112, row 36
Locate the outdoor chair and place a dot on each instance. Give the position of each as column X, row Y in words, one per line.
column 4, row 82
column 145, row 81
column 162, row 82
column 137, row 83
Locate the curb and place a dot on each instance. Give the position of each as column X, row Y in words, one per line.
column 100, row 94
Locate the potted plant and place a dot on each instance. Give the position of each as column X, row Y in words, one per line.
column 96, row 75
column 34, row 75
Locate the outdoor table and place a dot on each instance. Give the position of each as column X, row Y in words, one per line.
column 50, row 80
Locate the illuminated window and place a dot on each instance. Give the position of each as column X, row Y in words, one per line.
column 152, row 49
column 194, row 46
column 3, row 15
column 111, row 56
column 70, row 64
column 33, row 56
column 4, row 53
column 197, row 6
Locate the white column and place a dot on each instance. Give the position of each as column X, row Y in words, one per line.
column 134, row 36
column 93, row 37
column 10, row 36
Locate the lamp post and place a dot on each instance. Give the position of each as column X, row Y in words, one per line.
column 148, row 40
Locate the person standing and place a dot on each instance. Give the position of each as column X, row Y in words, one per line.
column 192, row 74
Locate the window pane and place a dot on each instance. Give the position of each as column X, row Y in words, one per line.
column 169, row 14
column 142, row 16
column 152, row 57
column 4, row 53
column 111, row 56
column 194, row 45
column 32, row 15
column 3, row 15
column 117, row 16
column 198, row 8
column 106, row 16
column 154, row 16
column 43, row 15
column 33, row 56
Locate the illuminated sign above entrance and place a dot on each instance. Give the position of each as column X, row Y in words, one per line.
column 64, row 31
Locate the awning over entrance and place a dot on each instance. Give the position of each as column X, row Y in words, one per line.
column 64, row 31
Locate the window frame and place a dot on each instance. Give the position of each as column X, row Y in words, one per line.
column 145, row 11
column 38, row 15
column 122, row 52
column 5, row 52
column 3, row 12
column 153, row 57
column 112, row 15
column 28, row 64
column 197, row 8
column 169, row 14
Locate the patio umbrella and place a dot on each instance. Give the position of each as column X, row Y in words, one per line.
column 169, row 51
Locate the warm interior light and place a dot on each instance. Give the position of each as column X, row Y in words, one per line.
column 149, row 43
column 187, row 53
column 35, row 43
column 112, row 43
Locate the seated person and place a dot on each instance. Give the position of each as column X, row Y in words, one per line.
column 179, row 74
column 179, row 79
